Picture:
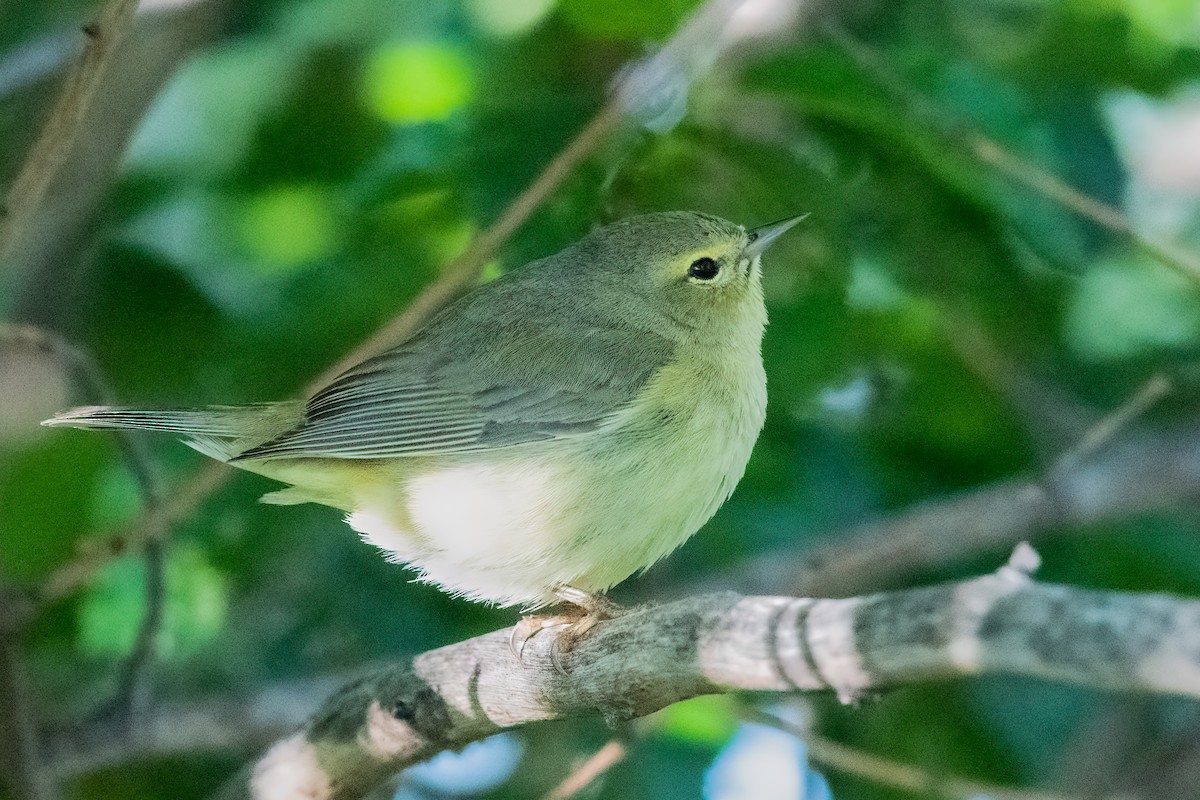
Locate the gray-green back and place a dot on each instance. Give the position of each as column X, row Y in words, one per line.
column 554, row 349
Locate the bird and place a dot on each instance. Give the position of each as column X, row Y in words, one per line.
column 544, row 437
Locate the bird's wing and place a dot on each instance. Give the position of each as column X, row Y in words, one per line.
column 523, row 384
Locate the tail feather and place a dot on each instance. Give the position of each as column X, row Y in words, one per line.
column 217, row 431
column 201, row 422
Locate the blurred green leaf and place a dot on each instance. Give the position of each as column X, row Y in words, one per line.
column 198, row 127
column 707, row 720
column 288, row 226
column 625, row 19
column 46, row 500
column 418, row 81
column 193, row 611
column 1163, row 23
column 508, row 17
column 1124, row 307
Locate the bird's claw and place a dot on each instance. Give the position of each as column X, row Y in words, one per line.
column 589, row 609
column 529, row 627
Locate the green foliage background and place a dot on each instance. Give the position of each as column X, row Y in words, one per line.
column 303, row 177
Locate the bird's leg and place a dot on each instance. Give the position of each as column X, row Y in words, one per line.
column 583, row 610
column 595, row 607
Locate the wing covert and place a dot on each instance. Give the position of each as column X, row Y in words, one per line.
column 403, row 403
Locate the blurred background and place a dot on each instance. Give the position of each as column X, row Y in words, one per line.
column 987, row 330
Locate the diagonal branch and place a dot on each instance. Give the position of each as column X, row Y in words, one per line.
column 57, row 243
column 1116, row 470
column 465, row 270
column 612, row 753
column 1016, row 168
column 1004, row 623
column 49, row 152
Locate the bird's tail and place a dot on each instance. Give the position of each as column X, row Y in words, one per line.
column 220, row 432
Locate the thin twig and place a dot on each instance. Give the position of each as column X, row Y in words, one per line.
column 600, row 762
column 894, row 774
column 132, row 694
column 465, row 270
column 1051, row 416
column 65, row 122
column 1168, row 252
column 1074, row 489
column 59, row 241
column 93, row 554
column 1050, row 411
column 1014, row 166
column 132, row 690
column 1112, row 424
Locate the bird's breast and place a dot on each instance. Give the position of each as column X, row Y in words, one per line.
column 704, row 412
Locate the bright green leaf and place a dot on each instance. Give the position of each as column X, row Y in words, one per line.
column 418, row 82
column 701, row 720
column 288, row 226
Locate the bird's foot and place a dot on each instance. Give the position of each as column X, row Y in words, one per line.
column 531, row 626
column 582, row 611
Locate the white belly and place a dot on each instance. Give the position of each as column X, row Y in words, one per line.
column 507, row 525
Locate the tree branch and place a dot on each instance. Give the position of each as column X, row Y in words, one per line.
column 653, row 656
column 237, row 723
column 49, row 152
column 1138, row 471
column 57, row 243
column 612, row 753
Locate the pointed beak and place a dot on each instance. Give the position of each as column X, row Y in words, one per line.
column 762, row 237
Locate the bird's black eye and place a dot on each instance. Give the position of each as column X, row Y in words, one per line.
column 704, row 269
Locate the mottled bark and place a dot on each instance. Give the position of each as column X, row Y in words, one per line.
column 1005, row 623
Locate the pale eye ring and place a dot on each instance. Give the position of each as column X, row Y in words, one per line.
column 704, row 269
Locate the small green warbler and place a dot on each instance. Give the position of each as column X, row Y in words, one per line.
column 544, row 437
